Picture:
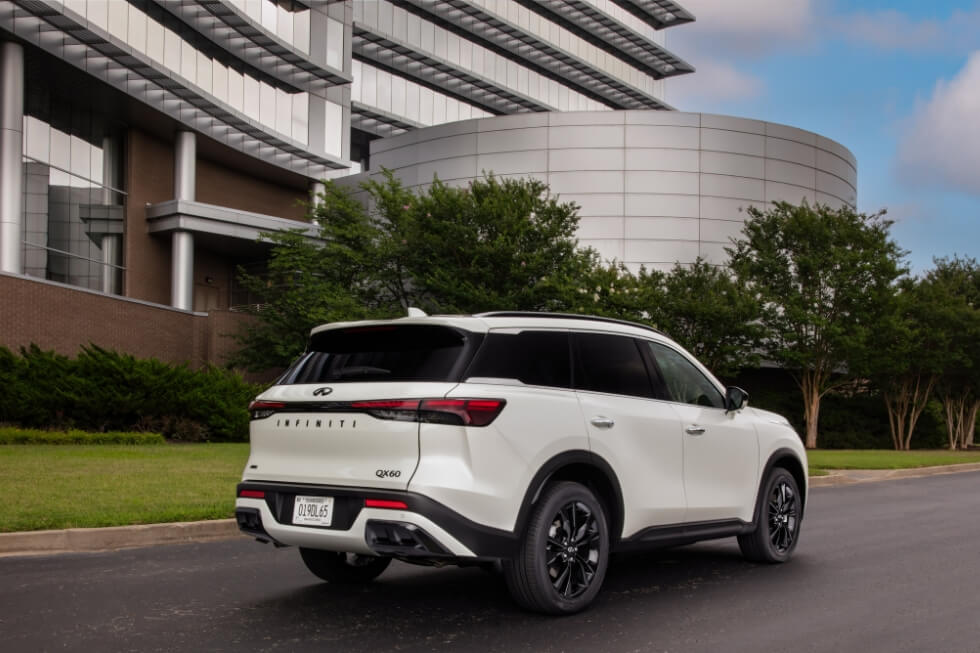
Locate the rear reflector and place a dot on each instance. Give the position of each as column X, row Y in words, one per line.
column 252, row 494
column 385, row 503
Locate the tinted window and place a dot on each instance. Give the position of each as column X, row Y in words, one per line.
column 380, row 353
column 532, row 357
column 685, row 383
column 607, row 363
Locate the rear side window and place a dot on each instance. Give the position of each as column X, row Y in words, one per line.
column 383, row 353
column 613, row 364
column 531, row 357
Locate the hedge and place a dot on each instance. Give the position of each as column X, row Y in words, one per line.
column 12, row 435
column 104, row 391
column 856, row 420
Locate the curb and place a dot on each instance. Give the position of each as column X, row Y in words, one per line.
column 78, row 540
column 842, row 477
column 113, row 538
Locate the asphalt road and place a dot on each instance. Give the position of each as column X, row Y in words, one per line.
column 892, row 566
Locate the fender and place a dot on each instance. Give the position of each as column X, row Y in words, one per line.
column 575, row 457
column 776, row 456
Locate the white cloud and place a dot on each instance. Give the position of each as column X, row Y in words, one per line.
column 940, row 143
column 893, row 30
column 715, row 81
column 752, row 27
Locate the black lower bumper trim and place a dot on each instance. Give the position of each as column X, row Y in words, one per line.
column 250, row 522
column 402, row 539
column 483, row 541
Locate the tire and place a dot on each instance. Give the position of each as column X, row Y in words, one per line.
column 780, row 515
column 562, row 560
column 336, row 567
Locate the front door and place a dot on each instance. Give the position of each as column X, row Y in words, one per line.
column 721, row 450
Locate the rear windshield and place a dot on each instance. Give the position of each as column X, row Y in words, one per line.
column 383, row 353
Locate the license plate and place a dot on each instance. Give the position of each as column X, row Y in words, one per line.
column 313, row 511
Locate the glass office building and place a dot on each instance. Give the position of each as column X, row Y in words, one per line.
column 147, row 144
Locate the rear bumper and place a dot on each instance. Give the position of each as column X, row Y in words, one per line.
column 425, row 529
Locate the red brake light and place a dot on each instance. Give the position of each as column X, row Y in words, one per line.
column 385, row 503
column 262, row 409
column 387, row 404
column 471, row 412
column 252, row 494
column 467, row 412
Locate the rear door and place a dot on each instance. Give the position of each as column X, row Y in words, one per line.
column 638, row 434
column 346, row 412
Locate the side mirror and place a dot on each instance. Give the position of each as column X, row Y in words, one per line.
column 735, row 398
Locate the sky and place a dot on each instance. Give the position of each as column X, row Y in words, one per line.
column 897, row 82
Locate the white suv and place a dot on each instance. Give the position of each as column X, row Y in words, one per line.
column 540, row 441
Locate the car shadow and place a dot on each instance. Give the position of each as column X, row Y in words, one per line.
column 411, row 606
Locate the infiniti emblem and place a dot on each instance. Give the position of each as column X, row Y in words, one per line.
column 322, row 392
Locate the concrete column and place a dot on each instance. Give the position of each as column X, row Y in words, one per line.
column 185, row 166
column 317, row 188
column 182, row 249
column 182, row 271
column 111, row 256
column 111, row 244
column 11, row 156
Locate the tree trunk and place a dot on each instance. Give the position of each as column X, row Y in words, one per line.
column 959, row 411
column 809, row 384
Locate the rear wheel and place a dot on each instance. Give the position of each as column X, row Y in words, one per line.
column 563, row 558
column 337, row 567
column 778, row 530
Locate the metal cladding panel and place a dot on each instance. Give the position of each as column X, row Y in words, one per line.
column 601, row 228
column 649, row 194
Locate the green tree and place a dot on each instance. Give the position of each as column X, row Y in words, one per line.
column 909, row 353
column 343, row 275
column 494, row 244
column 957, row 281
column 712, row 315
column 824, row 277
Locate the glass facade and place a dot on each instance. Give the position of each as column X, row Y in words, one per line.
column 160, row 36
column 73, row 195
column 553, row 33
column 288, row 20
column 379, row 88
column 428, row 37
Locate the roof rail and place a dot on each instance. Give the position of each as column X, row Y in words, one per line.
column 571, row 316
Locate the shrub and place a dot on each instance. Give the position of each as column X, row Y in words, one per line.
column 103, row 391
column 13, row 435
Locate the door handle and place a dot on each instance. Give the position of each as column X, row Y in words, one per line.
column 694, row 429
column 601, row 422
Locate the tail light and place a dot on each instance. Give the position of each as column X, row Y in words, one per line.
column 461, row 412
column 263, row 409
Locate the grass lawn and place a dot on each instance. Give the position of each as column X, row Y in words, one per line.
column 58, row 486
column 886, row 459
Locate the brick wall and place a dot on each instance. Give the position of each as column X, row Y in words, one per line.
column 62, row 318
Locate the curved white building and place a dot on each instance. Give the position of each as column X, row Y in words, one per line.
column 655, row 187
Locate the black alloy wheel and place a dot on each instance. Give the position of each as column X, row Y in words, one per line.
column 784, row 517
column 779, row 518
column 573, row 549
column 563, row 558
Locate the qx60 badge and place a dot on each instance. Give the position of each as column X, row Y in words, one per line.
column 322, row 392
